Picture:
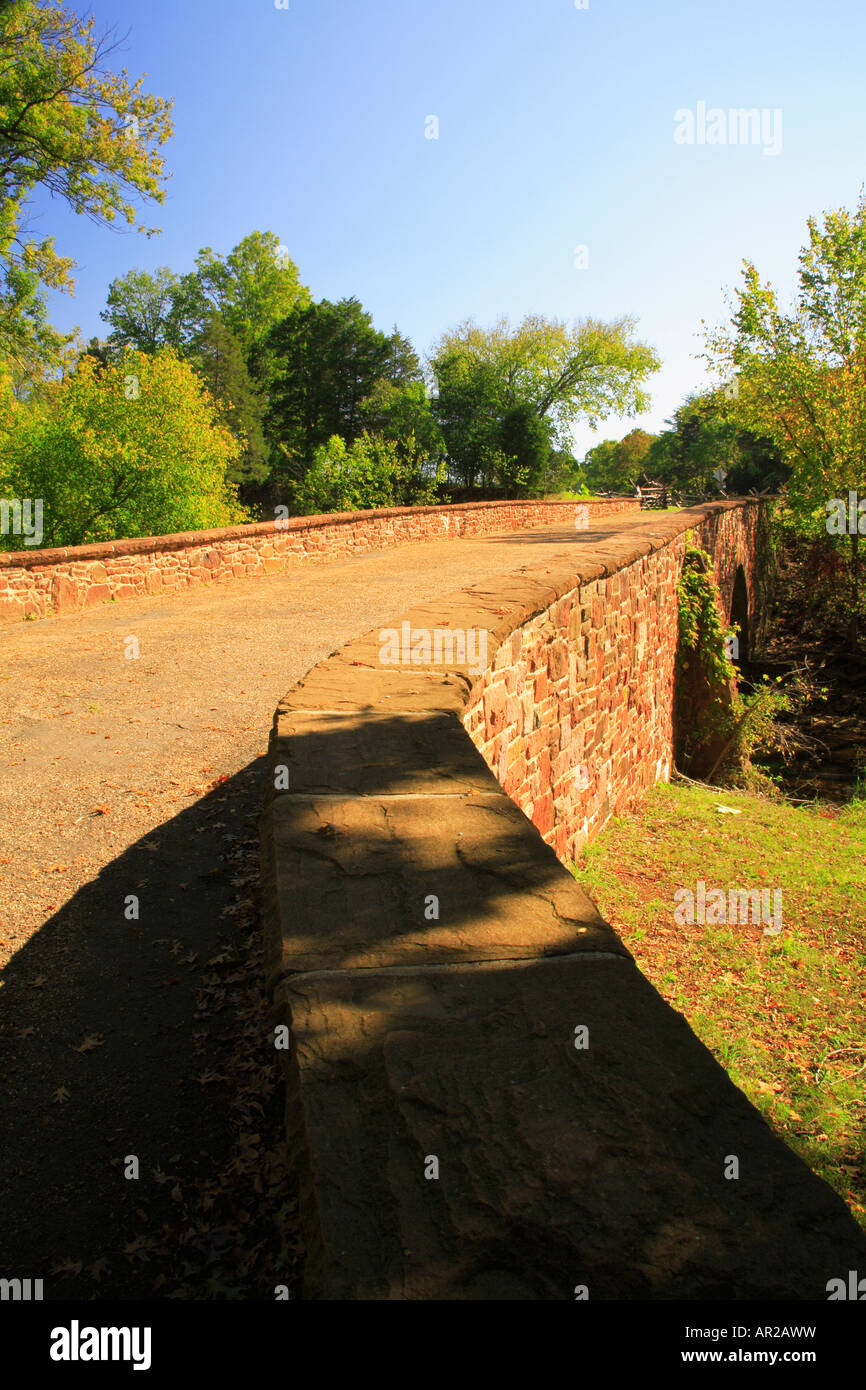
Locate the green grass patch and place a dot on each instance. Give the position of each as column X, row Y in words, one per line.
column 784, row 1014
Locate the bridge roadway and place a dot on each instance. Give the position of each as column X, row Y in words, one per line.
column 107, row 762
column 83, row 726
column 142, row 775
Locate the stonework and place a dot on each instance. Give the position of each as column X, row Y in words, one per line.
column 575, row 714
column 485, row 1098
column 38, row 583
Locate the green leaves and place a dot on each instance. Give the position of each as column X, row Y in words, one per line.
column 371, row 472
column 134, row 448
column 320, row 365
column 85, row 134
column 560, row 373
column 801, row 373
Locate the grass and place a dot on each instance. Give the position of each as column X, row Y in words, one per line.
column 785, row 1015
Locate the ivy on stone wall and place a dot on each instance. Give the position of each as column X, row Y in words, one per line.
column 701, row 628
column 718, row 727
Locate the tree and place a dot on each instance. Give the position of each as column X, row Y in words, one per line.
column 145, row 311
column 618, row 464
column 220, row 363
column 469, row 409
column 253, row 288
column 369, row 472
column 84, row 134
column 631, row 454
column 599, row 468
column 133, row 448
column 590, row 370
column 704, row 438
column 524, row 443
column 249, row 291
column 801, row 373
column 401, row 412
column 319, row 365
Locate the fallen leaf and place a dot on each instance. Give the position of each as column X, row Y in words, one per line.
column 60, row 1095
column 91, row 1041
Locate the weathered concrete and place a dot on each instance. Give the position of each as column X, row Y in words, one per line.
column 433, row 959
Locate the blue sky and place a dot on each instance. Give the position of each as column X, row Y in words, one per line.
column 556, row 131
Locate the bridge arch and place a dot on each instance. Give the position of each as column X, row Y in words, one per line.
column 739, row 614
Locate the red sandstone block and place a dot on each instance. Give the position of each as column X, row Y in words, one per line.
column 537, row 740
column 544, row 766
column 494, row 705
column 11, row 610
column 517, row 768
column 64, row 594
column 97, row 593
column 563, row 767
column 514, row 710
column 543, row 813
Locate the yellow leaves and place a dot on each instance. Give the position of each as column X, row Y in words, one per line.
column 91, row 1041
column 59, row 1096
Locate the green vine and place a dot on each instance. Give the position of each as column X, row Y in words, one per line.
column 701, row 628
column 741, row 723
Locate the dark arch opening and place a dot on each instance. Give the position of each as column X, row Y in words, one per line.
column 740, row 616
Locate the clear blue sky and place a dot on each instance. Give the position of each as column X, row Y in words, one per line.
column 556, row 130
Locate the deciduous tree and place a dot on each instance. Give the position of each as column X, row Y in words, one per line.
column 132, row 448
column 84, row 134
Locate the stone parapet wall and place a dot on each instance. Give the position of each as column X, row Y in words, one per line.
column 39, row 583
column 485, row 1098
column 575, row 714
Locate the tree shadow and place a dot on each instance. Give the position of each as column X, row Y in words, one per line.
column 97, row 1032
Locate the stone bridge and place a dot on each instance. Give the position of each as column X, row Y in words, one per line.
column 485, row 1096
column 486, row 1099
